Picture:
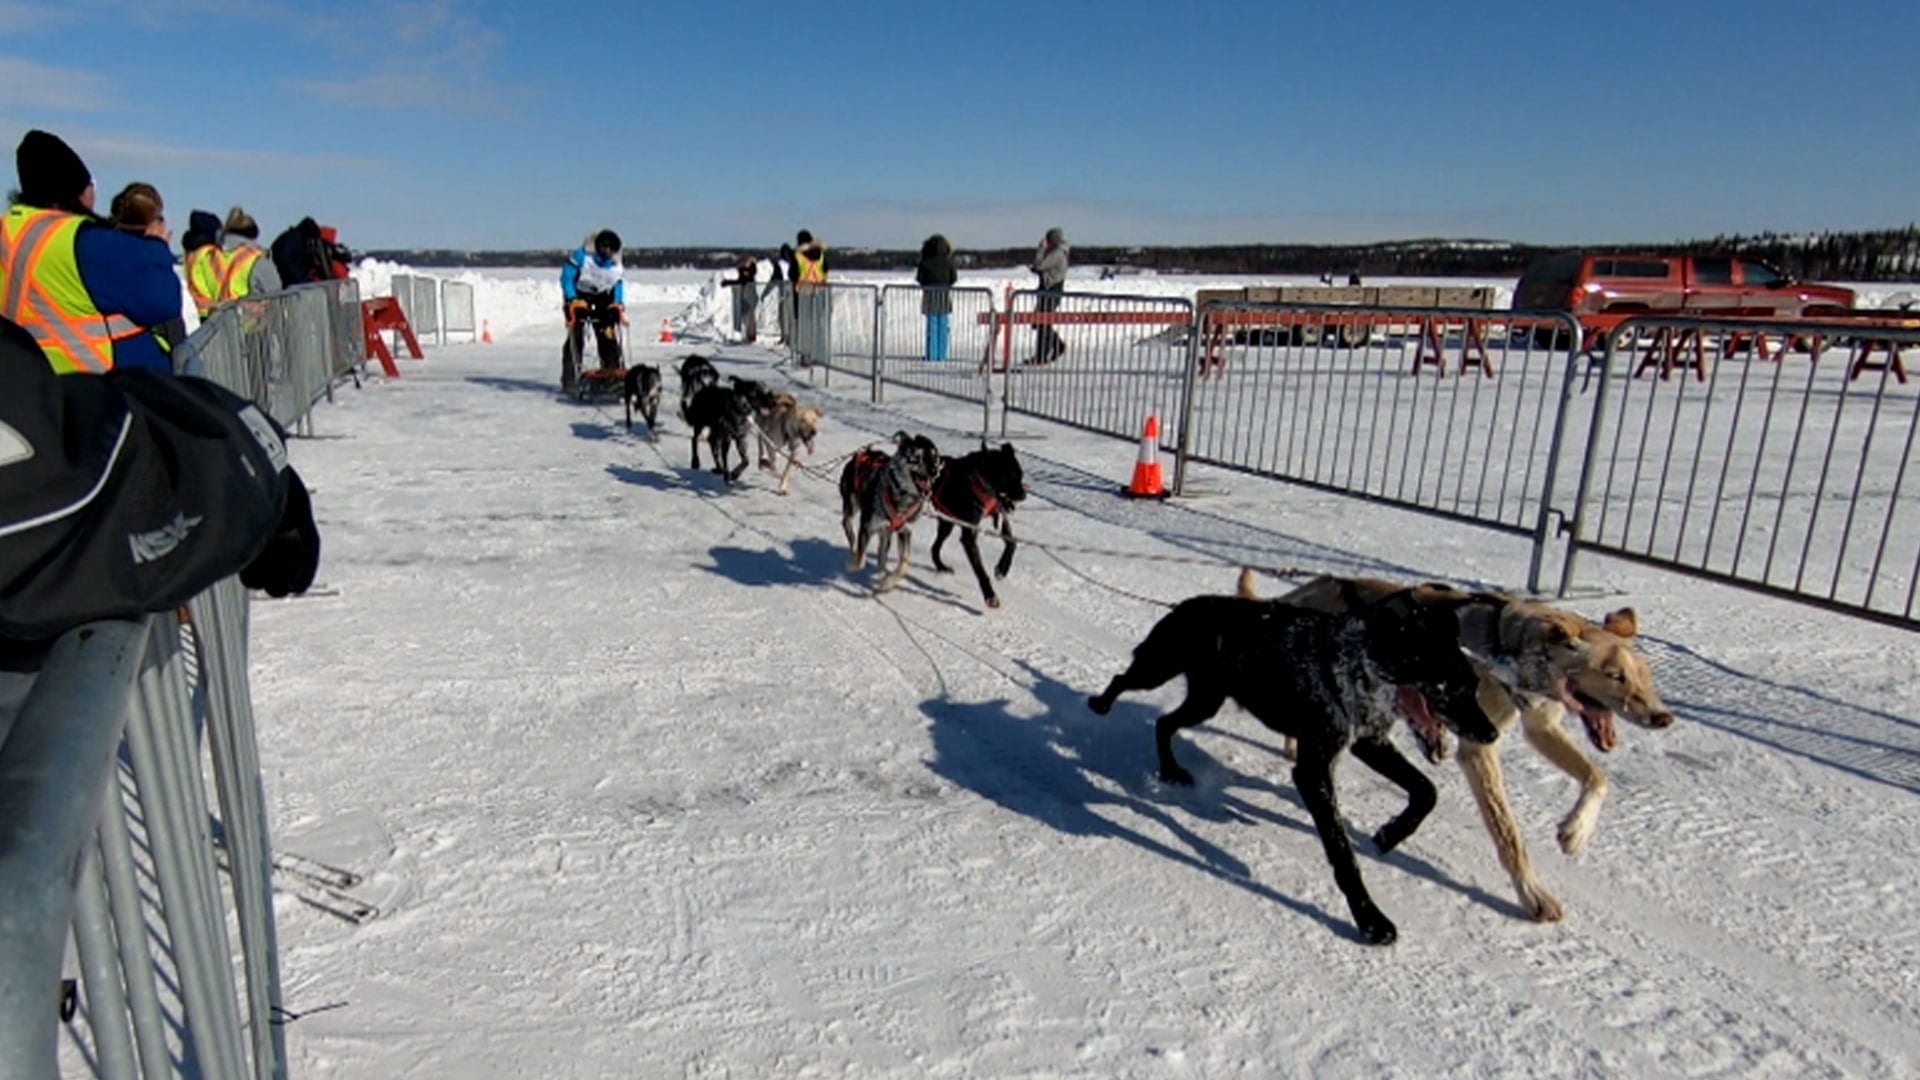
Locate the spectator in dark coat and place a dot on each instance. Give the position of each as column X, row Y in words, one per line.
column 785, row 272
column 746, row 298
column 300, row 254
column 140, row 211
column 935, row 276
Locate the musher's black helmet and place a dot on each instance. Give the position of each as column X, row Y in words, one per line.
column 606, row 243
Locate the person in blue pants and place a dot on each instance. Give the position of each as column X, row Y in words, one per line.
column 935, row 276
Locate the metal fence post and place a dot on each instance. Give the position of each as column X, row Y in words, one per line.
column 1576, row 526
column 875, row 351
column 1542, row 532
column 1196, row 317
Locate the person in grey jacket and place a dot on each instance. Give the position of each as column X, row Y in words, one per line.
column 1050, row 262
column 242, row 232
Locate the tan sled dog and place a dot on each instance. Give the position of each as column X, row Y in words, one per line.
column 1542, row 662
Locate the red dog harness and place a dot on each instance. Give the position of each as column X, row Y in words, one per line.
column 989, row 502
column 867, row 465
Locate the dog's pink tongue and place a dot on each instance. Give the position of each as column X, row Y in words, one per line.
column 1600, row 729
column 1599, row 721
column 1425, row 724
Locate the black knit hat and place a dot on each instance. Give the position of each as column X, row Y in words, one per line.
column 51, row 174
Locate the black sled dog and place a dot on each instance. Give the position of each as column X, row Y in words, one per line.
column 641, row 394
column 1326, row 680
column 976, row 488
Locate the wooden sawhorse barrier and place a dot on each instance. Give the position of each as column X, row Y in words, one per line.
column 380, row 314
column 1667, row 349
column 1473, row 346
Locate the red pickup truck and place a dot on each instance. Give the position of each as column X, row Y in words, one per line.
column 1705, row 285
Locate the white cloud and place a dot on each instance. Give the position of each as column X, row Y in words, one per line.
column 430, row 57
column 29, row 84
column 106, row 149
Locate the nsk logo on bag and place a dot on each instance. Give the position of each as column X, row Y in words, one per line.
column 159, row 543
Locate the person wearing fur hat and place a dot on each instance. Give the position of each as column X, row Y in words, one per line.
column 93, row 294
column 248, row 270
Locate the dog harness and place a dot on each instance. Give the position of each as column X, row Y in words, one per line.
column 988, row 499
column 867, row 464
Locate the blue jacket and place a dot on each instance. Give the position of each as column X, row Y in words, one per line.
column 570, row 275
column 132, row 276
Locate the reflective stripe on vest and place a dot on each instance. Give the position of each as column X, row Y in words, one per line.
column 236, row 279
column 812, row 271
column 206, row 268
column 41, row 290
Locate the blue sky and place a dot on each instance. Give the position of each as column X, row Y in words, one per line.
column 503, row 125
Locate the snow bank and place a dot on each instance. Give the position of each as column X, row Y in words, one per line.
column 525, row 301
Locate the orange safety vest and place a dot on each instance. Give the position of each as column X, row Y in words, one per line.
column 812, row 271
column 236, row 279
column 206, row 270
column 41, row 290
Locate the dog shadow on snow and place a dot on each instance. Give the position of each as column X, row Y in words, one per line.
column 807, row 561
column 1087, row 775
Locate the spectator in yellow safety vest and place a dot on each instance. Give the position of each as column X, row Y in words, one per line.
column 88, row 293
column 249, row 271
column 205, row 263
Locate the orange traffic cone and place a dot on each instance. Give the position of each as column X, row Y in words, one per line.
column 486, row 333
column 666, row 331
column 1146, row 468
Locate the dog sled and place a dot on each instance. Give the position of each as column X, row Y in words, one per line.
column 583, row 383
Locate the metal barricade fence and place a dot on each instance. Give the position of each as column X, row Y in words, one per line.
column 82, row 826
column 1094, row 361
column 1725, row 450
column 835, row 327
column 419, row 298
column 939, row 340
column 282, row 350
column 457, row 315
column 1449, row 411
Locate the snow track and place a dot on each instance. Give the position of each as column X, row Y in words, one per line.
column 669, row 793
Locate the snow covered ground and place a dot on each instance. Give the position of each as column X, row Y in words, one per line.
column 645, row 784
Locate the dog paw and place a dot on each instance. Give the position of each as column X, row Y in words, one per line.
column 1541, row 905
column 1575, row 832
column 1376, row 929
column 993, row 602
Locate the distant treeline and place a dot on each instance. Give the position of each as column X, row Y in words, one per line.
column 1879, row 255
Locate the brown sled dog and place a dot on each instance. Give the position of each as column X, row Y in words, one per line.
column 1539, row 663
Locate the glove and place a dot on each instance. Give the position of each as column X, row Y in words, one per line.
column 287, row 564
